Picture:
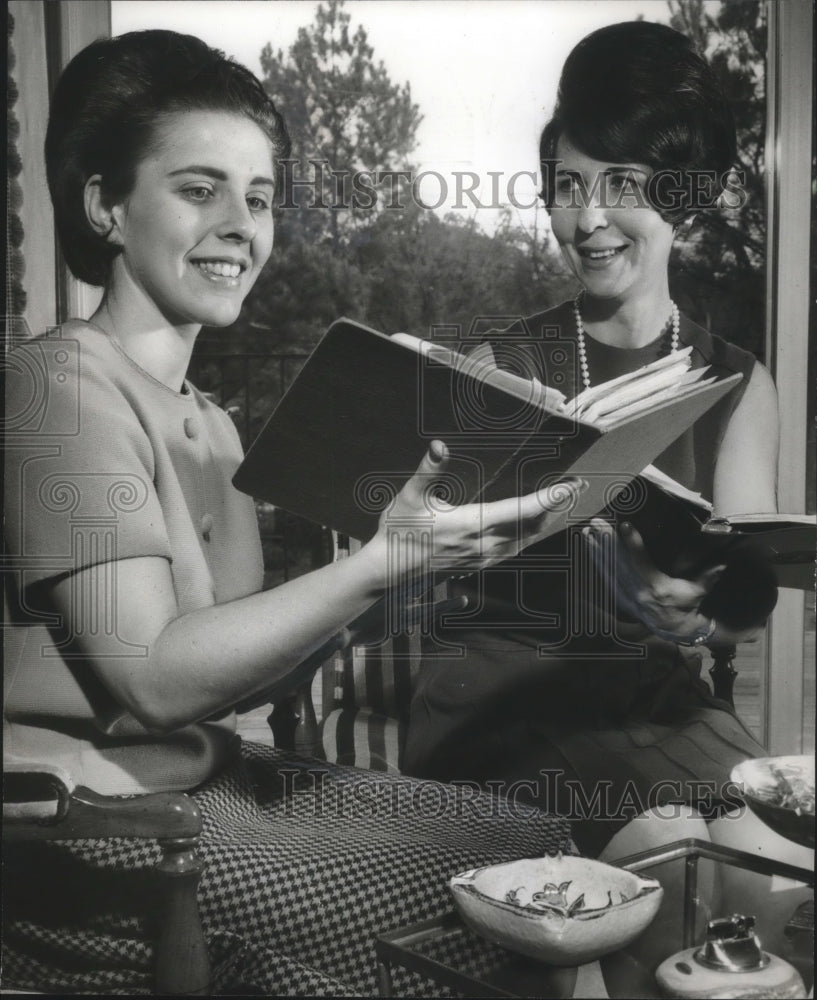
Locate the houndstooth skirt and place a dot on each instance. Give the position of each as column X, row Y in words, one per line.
column 306, row 862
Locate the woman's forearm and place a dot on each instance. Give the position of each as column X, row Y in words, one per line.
column 183, row 668
column 233, row 650
column 178, row 668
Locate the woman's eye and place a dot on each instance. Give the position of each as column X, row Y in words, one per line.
column 257, row 203
column 198, row 192
column 564, row 186
column 625, row 184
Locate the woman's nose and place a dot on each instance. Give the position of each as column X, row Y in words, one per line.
column 592, row 215
column 238, row 223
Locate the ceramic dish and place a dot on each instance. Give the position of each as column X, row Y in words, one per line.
column 780, row 790
column 561, row 910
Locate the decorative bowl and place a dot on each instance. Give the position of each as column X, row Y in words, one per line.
column 561, row 910
column 780, row 791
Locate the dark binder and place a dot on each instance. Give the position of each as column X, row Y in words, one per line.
column 361, row 413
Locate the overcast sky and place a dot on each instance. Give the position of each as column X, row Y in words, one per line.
column 484, row 72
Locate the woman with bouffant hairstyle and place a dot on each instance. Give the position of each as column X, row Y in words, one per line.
column 664, row 107
column 577, row 688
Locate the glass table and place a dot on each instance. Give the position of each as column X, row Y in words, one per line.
column 444, row 951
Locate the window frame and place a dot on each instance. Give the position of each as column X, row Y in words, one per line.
column 789, row 94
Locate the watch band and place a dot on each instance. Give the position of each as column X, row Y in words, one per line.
column 701, row 636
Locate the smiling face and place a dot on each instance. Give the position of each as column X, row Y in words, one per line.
column 197, row 227
column 613, row 240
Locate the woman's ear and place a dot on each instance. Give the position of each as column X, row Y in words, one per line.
column 105, row 220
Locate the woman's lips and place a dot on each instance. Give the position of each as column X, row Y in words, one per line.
column 222, row 268
column 605, row 253
column 220, row 272
column 599, row 259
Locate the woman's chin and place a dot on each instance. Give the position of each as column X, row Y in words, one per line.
column 220, row 315
column 603, row 284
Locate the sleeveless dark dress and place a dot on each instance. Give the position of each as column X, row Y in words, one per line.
column 541, row 694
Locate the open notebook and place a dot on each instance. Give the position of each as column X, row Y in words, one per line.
column 604, row 405
column 361, row 413
column 685, row 535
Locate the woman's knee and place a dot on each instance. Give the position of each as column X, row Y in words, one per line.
column 657, row 827
column 742, row 830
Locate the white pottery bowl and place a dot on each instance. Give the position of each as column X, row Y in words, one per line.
column 780, row 790
column 561, row 910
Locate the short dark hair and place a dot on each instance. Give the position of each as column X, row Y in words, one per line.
column 104, row 111
column 638, row 92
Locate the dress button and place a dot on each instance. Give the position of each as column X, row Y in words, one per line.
column 206, row 526
column 191, row 428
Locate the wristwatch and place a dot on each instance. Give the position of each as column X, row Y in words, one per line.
column 701, row 636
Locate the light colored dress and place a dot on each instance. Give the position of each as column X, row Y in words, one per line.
column 305, row 863
column 104, row 463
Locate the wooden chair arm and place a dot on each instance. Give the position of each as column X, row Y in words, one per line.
column 85, row 814
column 41, row 807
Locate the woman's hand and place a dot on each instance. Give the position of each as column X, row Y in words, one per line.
column 421, row 532
column 668, row 606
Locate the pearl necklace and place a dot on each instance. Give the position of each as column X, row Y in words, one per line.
column 675, row 320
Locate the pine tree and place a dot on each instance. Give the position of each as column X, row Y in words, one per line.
column 718, row 270
column 347, row 120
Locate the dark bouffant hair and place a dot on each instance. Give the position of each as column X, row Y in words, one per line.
column 637, row 92
column 104, row 112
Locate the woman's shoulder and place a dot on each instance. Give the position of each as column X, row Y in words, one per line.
column 549, row 324
column 535, row 344
column 531, row 326
column 80, row 352
column 73, row 352
column 51, row 376
column 559, row 313
column 76, row 376
column 555, row 321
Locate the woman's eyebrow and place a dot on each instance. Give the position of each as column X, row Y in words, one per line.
column 630, row 168
column 612, row 168
column 216, row 174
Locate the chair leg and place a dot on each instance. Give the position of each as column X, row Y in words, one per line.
column 182, row 962
column 294, row 724
column 723, row 673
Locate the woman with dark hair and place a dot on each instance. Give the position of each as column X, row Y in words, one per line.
column 550, row 689
column 142, row 620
